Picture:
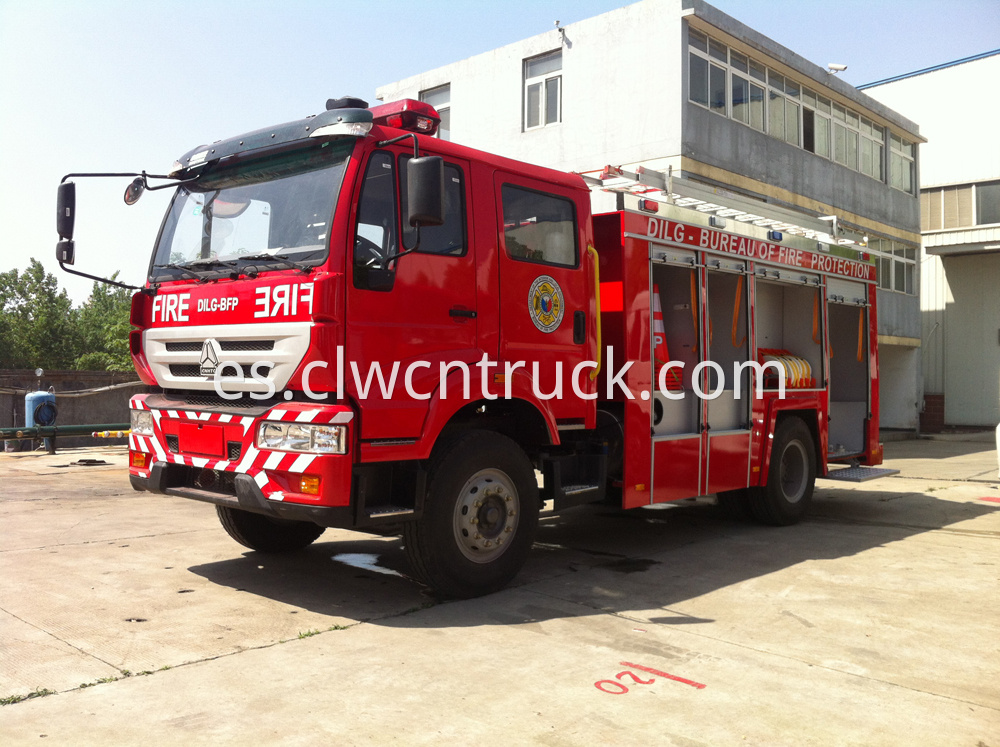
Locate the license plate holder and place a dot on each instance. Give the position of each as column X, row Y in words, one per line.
column 201, row 438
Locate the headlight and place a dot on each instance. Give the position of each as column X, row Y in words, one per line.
column 317, row 439
column 142, row 422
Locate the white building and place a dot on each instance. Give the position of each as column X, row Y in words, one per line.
column 960, row 222
column 745, row 125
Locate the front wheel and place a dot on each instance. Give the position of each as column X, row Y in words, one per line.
column 480, row 516
column 261, row 533
column 791, row 476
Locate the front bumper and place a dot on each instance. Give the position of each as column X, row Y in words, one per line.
column 248, row 497
column 236, row 473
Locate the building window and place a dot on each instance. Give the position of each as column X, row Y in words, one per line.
column 747, row 96
column 987, row 203
column 901, row 168
column 783, row 108
column 543, row 90
column 440, row 99
column 960, row 206
column 897, row 265
column 816, row 125
column 732, row 84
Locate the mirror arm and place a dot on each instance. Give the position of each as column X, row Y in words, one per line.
column 143, row 174
column 100, row 280
column 416, row 153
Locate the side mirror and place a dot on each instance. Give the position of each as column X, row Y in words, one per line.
column 425, row 191
column 66, row 252
column 380, row 279
column 134, row 191
column 66, row 210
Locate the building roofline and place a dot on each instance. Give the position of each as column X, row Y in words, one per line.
column 932, row 69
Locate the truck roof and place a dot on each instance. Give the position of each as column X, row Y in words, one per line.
column 338, row 122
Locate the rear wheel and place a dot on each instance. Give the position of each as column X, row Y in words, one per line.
column 264, row 534
column 480, row 516
column 791, row 477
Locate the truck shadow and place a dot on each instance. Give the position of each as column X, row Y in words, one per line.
column 596, row 558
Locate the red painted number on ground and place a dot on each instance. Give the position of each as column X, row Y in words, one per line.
column 615, row 687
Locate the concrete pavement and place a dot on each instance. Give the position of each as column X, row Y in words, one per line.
column 874, row 621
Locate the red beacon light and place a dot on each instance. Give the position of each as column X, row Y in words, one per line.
column 407, row 114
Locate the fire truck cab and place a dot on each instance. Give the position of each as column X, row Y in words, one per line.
column 351, row 323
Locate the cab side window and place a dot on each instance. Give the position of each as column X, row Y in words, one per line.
column 448, row 238
column 539, row 227
column 375, row 234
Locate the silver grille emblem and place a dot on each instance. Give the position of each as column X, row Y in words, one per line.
column 209, row 358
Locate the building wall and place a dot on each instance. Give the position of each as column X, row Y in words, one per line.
column 615, row 110
column 958, row 110
column 625, row 102
column 959, row 268
column 972, row 340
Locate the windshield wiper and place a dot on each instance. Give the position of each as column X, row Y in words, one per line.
column 210, row 262
column 181, row 268
column 279, row 258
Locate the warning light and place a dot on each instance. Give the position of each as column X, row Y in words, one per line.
column 407, row 114
column 139, row 459
column 309, row 484
column 650, row 206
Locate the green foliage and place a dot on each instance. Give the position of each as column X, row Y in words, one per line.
column 38, row 325
column 39, row 328
column 104, row 327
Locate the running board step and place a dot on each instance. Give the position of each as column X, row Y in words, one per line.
column 859, row 474
column 387, row 512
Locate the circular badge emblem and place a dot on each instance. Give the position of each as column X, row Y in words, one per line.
column 545, row 303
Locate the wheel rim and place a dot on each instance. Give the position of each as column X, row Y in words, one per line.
column 792, row 476
column 486, row 515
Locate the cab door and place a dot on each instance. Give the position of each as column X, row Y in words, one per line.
column 428, row 316
column 545, row 297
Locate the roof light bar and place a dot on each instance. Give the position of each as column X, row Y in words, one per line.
column 407, row 114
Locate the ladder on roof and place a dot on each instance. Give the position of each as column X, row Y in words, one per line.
column 644, row 183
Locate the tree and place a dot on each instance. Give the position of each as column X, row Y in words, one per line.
column 104, row 328
column 38, row 326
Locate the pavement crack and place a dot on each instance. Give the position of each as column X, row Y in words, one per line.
column 894, row 525
column 61, row 640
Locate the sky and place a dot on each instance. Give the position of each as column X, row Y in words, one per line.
column 115, row 85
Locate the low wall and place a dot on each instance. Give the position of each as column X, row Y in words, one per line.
column 75, row 406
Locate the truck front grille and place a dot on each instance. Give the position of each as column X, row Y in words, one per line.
column 189, row 370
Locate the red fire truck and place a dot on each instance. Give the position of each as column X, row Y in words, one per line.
column 352, row 323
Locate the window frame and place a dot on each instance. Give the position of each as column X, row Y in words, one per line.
column 864, row 147
column 360, row 271
column 544, row 81
column 443, row 110
column 552, row 195
column 896, row 259
column 404, row 230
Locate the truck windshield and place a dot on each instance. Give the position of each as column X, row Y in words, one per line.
column 276, row 210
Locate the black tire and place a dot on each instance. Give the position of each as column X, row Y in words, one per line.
column 479, row 518
column 264, row 534
column 735, row 504
column 785, row 499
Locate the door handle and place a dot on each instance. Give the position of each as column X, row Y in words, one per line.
column 466, row 313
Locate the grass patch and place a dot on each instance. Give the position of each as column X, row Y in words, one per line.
column 41, row 692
